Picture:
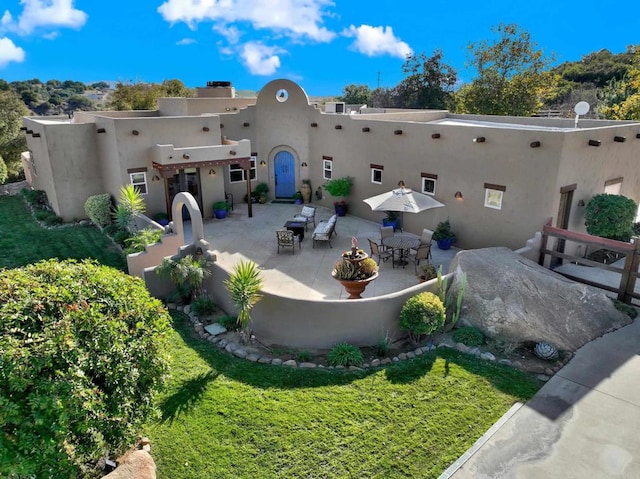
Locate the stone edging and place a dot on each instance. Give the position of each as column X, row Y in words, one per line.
column 239, row 352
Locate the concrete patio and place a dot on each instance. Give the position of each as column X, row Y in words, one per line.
column 307, row 272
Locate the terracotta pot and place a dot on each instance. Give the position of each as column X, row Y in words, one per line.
column 355, row 288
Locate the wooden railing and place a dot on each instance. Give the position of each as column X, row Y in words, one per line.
column 628, row 273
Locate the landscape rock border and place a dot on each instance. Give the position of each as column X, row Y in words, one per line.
column 240, row 351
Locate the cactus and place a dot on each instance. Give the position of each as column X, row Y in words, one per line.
column 545, row 350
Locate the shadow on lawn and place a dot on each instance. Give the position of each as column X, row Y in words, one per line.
column 504, row 378
column 186, row 398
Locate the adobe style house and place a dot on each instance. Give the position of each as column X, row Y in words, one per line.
column 500, row 178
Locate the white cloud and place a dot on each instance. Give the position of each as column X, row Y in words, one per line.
column 377, row 41
column 260, row 59
column 9, row 52
column 292, row 17
column 232, row 34
column 186, row 41
column 7, row 19
column 45, row 14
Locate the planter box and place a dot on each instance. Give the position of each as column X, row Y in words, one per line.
column 220, row 214
column 445, row 243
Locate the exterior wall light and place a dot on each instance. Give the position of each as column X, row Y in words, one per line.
column 304, row 164
column 263, row 163
column 479, row 139
column 535, row 144
column 212, row 172
column 458, row 195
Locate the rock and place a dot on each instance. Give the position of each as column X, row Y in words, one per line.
column 222, row 343
column 230, row 347
column 137, row 464
column 511, row 297
column 418, row 352
column 253, row 357
column 186, row 309
column 290, row 362
column 395, row 359
column 264, row 360
column 462, row 347
column 536, row 368
column 240, row 353
column 308, row 365
column 543, row 377
column 487, row 356
column 276, row 361
column 180, row 308
column 506, row 362
column 410, row 355
column 475, row 351
column 549, row 372
column 402, row 356
column 385, row 361
column 375, row 363
column 354, row 368
column 213, row 339
column 215, row 328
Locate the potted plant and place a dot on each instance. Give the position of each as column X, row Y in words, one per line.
column 220, row 209
column 392, row 219
column 161, row 218
column 340, row 187
column 355, row 275
column 297, row 198
column 260, row 192
column 427, row 272
column 443, row 235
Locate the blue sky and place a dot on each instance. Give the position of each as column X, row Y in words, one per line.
column 321, row 44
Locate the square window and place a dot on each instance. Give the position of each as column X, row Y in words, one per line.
column 613, row 188
column 327, row 169
column 139, row 181
column 429, row 186
column 376, row 176
column 493, row 198
column 237, row 174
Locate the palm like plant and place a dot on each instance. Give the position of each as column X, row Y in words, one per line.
column 186, row 273
column 244, row 286
column 130, row 203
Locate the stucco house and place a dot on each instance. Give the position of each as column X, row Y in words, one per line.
column 500, row 178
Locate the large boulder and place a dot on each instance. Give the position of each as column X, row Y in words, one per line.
column 510, row 297
column 136, row 464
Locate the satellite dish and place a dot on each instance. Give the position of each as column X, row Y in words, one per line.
column 581, row 108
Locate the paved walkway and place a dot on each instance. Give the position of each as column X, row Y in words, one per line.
column 584, row 423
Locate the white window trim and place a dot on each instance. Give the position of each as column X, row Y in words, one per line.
column 327, row 165
column 424, row 190
column 373, row 171
column 252, row 167
column 493, row 205
column 143, row 182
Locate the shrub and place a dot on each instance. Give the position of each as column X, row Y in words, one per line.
column 221, row 205
column 82, row 354
column 229, row 323
column 203, row 305
column 423, row 313
column 469, row 336
column 187, row 274
column 610, row 216
column 344, row 354
column 339, row 186
column 140, row 239
column 34, row 197
column 4, row 173
column 382, row 346
column 304, row 356
column 98, row 209
column 121, row 236
column 244, row 286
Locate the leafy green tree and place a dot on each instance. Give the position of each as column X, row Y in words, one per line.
column 175, row 88
column 82, row 356
column 144, row 96
column 429, row 83
column 101, row 85
column 12, row 141
column 355, row 94
column 3, row 171
column 620, row 99
column 511, row 75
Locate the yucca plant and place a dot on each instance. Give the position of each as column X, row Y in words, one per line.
column 130, row 202
column 244, row 286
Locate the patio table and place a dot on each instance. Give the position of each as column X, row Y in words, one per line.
column 403, row 244
column 297, row 227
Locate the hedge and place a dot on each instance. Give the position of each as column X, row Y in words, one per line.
column 98, row 209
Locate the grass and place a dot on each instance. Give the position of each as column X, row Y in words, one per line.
column 24, row 241
column 228, row 418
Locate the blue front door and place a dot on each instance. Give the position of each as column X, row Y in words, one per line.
column 285, row 175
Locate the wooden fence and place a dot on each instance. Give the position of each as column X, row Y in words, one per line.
column 628, row 273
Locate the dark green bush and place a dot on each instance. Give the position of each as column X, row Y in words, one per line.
column 98, row 209
column 4, row 173
column 344, row 354
column 121, row 236
column 229, row 323
column 82, row 354
column 304, row 356
column 203, row 305
column 34, row 197
column 137, row 242
column 423, row 313
column 469, row 336
column 610, row 216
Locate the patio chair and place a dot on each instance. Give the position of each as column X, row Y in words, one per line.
column 306, row 216
column 386, row 232
column 286, row 238
column 421, row 253
column 426, row 238
column 383, row 255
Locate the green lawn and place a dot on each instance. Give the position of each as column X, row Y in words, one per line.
column 24, row 241
column 227, row 418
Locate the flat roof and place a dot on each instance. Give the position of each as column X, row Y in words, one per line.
column 495, row 124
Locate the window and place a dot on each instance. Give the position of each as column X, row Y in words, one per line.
column 327, row 169
column 139, row 180
column 493, row 195
column 376, row 174
column 613, row 187
column 238, row 174
column 429, row 186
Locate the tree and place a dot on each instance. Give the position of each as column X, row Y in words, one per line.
column 620, row 99
column 356, row 95
column 144, row 96
column 175, row 88
column 12, row 141
column 610, row 216
column 429, row 84
column 83, row 352
column 511, row 75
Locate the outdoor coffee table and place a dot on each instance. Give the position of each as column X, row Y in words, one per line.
column 402, row 243
column 297, row 227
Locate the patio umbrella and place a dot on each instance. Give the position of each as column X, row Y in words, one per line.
column 402, row 199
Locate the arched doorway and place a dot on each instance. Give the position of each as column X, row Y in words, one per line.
column 285, row 174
